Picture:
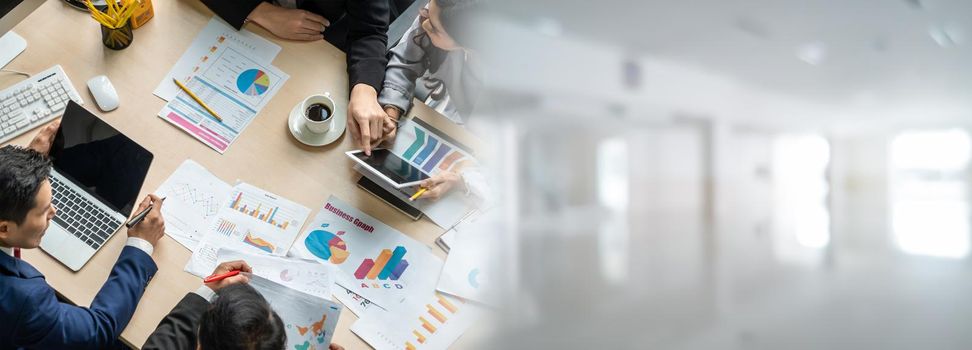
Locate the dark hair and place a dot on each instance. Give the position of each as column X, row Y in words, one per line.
column 241, row 319
column 457, row 18
column 22, row 171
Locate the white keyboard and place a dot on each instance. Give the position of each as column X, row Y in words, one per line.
column 35, row 101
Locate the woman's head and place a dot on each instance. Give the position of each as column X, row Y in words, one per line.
column 447, row 22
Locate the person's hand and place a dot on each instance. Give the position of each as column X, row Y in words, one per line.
column 440, row 184
column 43, row 140
column 366, row 119
column 390, row 127
column 152, row 227
column 335, row 347
column 227, row 267
column 293, row 24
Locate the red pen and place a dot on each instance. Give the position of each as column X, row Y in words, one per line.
column 220, row 277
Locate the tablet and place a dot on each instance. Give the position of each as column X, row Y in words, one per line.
column 390, row 167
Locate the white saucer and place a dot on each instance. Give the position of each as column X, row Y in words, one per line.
column 338, row 123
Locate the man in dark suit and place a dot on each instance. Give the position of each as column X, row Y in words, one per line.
column 360, row 28
column 32, row 315
column 225, row 315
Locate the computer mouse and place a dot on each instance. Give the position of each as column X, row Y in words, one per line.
column 103, row 92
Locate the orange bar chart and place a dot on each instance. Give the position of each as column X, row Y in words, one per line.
column 446, row 304
column 436, row 314
column 427, row 325
column 380, row 263
column 419, row 337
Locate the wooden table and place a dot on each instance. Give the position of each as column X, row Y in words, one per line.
column 265, row 155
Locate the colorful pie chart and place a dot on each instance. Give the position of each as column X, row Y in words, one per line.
column 327, row 246
column 286, row 276
column 474, row 278
column 253, row 82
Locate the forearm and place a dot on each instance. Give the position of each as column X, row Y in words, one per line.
column 363, row 93
column 259, row 13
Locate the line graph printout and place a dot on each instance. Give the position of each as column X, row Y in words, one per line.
column 193, row 196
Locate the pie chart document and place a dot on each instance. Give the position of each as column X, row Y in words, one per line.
column 236, row 86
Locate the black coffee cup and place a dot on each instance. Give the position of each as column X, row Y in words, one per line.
column 318, row 112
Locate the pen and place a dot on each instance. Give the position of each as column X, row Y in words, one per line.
column 141, row 215
column 418, row 194
column 220, row 277
column 195, row 98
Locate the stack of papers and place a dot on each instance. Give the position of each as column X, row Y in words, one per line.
column 386, row 278
column 470, row 268
column 306, row 276
column 374, row 260
column 251, row 220
column 230, row 72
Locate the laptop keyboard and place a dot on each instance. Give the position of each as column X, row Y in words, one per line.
column 81, row 217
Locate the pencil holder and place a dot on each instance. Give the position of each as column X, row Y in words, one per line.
column 117, row 38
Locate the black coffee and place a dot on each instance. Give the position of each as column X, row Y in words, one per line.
column 318, row 112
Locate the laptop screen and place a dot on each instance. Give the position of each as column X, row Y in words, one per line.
column 99, row 159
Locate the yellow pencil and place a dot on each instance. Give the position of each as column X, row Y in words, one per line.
column 418, row 194
column 199, row 101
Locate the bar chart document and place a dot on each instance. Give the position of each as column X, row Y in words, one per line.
column 433, row 322
column 374, row 260
column 251, row 220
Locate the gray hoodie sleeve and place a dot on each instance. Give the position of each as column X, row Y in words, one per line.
column 405, row 65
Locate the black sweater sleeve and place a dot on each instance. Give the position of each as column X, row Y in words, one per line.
column 178, row 329
column 367, row 41
column 233, row 12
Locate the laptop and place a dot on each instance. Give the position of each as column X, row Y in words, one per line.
column 97, row 175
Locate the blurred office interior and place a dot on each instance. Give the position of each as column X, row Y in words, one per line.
column 732, row 174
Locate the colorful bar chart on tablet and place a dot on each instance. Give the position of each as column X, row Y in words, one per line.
column 426, row 148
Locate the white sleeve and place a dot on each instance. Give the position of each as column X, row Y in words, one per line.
column 142, row 244
column 205, row 293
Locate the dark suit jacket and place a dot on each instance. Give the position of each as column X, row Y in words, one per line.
column 359, row 27
column 32, row 317
column 178, row 329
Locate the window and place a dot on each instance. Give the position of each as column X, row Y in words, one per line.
column 929, row 193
